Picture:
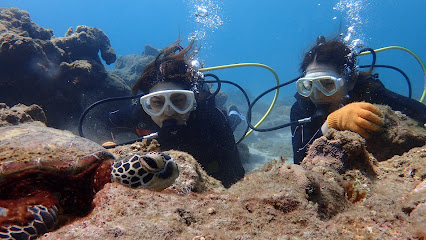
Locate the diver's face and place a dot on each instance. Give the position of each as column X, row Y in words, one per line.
column 169, row 113
column 317, row 97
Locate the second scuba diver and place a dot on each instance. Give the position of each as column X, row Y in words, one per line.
column 337, row 96
column 183, row 112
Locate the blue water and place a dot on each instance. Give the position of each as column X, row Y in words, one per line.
column 272, row 32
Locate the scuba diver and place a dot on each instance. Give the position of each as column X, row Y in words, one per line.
column 336, row 95
column 177, row 104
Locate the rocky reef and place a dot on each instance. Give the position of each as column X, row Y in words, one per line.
column 63, row 75
column 20, row 113
column 346, row 187
column 130, row 67
column 340, row 191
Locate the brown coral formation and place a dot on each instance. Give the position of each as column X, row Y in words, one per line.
column 130, row 67
column 398, row 135
column 316, row 200
column 63, row 75
column 277, row 203
column 340, row 151
column 343, row 150
column 339, row 192
column 85, row 43
column 20, row 114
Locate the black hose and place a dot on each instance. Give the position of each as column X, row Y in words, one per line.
column 83, row 115
column 396, row 69
column 218, row 81
column 257, row 99
column 247, row 99
column 373, row 53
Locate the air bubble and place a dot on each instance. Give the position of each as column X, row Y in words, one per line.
column 195, row 64
column 201, row 12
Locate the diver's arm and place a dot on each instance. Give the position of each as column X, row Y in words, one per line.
column 230, row 165
column 372, row 90
column 303, row 135
column 408, row 106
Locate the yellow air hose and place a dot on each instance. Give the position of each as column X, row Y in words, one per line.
column 422, row 98
column 250, row 65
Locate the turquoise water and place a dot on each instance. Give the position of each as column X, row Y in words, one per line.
column 272, row 32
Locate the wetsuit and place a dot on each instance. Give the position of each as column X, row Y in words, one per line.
column 368, row 89
column 207, row 136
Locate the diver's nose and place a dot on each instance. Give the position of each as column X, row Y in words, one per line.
column 316, row 93
column 169, row 111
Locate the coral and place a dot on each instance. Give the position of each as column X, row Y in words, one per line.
column 415, row 198
column 20, row 114
column 340, row 150
column 192, row 177
column 281, row 201
column 85, row 43
column 63, row 75
column 20, row 22
column 399, row 134
column 130, row 67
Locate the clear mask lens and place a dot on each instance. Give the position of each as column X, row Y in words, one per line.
column 328, row 85
column 181, row 101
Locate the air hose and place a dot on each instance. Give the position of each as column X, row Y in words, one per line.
column 422, row 98
column 250, row 65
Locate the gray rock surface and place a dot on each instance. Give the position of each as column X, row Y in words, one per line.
column 63, row 75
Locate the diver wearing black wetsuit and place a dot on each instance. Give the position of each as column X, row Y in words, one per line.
column 215, row 150
column 368, row 89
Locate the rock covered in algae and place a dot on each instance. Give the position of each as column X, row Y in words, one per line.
column 315, row 200
column 20, row 113
column 63, row 75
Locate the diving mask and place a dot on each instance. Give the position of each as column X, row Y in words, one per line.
column 322, row 81
column 181, row 101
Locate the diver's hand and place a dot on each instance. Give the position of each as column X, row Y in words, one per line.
column 359, row 117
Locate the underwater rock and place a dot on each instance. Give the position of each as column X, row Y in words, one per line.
column 63, row 75
column 418, row 221
column 398, row 134
column 192, row 177
column 20, row 114
column 130, row 67
column 85, row 43
column 340, row 151
column 241, row 212
column 19, row 22
column 324, row 187
column 151, row 51
column 415, row 198
column 281, row 201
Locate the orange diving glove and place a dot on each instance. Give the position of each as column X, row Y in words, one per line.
column 359, row 117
